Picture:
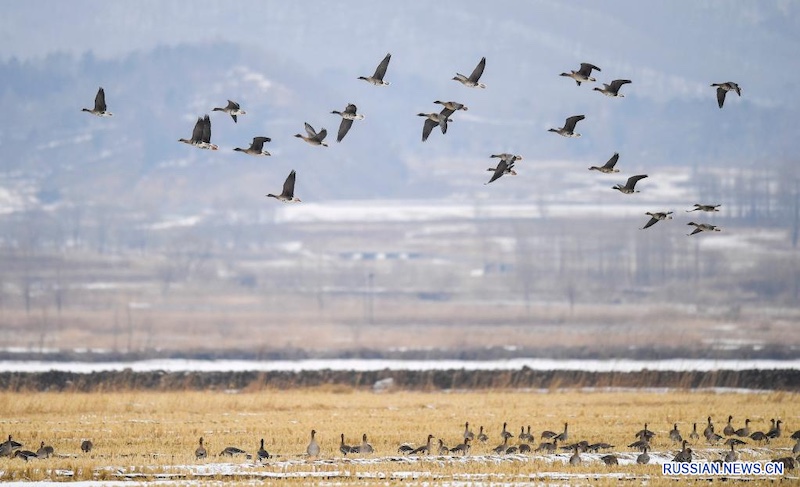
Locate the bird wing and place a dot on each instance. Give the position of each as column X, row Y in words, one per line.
column 288, row 185
column 197, row 132
column 499, row 171
column 351, row 109
column 612, row 162
column 696, row 230
column 443, row 116
column 344, row 127
column 380, row 71
column 207, row 129
column 310, row 130
column 721, row 96
column 258, row 143
column 478, row 71
column 321, row 135
column 427, row 127
column 586, row 69
column 100, row 100
column 232, row 105
column 572, row 121
column 635, row 179
column 617, row 84
column 652, row 222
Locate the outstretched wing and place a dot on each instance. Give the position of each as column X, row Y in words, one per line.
column 288, row 185
column 232, row 105
column 572, row 121
column 586, row 69
column 344, row 127
column 478, row 71
column 310, row 130
column 258, row 143
column 427, row 127
column 444, row 115
column 207, row 129
column 380, row 71
column 321, row 135
column 617, row 84
column 501, row 169
column 653, row 221
column 197, row 132
column 635, row 179
column 612, row 162
column 721, row 96
column 100, row 100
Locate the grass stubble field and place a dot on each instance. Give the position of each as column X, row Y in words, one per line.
column 152, row 436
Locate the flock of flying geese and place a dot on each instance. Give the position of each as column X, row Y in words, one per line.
column 201, row 134
column 551, row 442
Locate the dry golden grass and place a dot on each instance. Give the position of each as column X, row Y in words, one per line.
column 152, row 433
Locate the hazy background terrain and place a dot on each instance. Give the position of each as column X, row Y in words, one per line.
column 115, row 236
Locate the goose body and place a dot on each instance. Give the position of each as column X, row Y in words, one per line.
column 348, row 116
column 724, row 88
column 583, row 74
column 643, row 458
column 674, row 434
column 100, row 108
column 45, row 451
column 452, row 105
column 684, row 456
column 201, row 134
column 568, row 130
column 262, row 453
column 344, row 448
column 564, row 435
column 256, row 147
column 547, row 446
column 482, row 436
column 231, row 451
column 313, row 447
column 426, row 448
column 729, row 430
column 503, row 167
column 699, row 207
column 693, row 435
column 610, row 459
column 86, row 446
column 313, row 137
column 575, row 459
column 200, row 452
column 26, row 455
column 467, row 433
column 232, row 108
column 472, row 81
column 377, row 78
column 612, row 90
column 608, row 167
column 775, row 431
column 365, row 447
column 655, row 218
column 287, row 195
column 630, row 185
column 435, row 119
column 706, row 227
column 731, row 456
column 8, row 447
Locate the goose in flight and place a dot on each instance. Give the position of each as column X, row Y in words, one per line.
column 704, row 208
column 377, row 78
column 232, row 108
column 583, row 74
column 568, row 130
column 655, row 218
column 612, row 90
column 201, row 134
column 608, row 167
column 256, row 147
column 433, row 119
column 724, row 88
column 704, row 227
column 314, row 137
column 348, row 115
column 452, row 105
column 508, row 157
column 472, row 80
column 503, row 167
column 99, row 105
column 629, row 186
column 287, row 195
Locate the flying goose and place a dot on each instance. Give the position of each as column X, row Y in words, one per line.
column 231, row 451
column 568, row 130
column 704, row 208
column 348, row 115
column 287, row 195
column 608, row 167
column 724, row 88
column 426, row 448
column 201, row 134
column 705, row 227
column 45, row 451
column 655, row 218
column 452, row 105
column 510, row 158
column 256, row 147
column 674, row 434
column 344, row 448
column 472, row 81
column 643, row 458
column 99, row 105
column 629, row 186
column 197, row 134
column 263, row 454
column 612, row 90
column 583, row 74
column 232, row 108
column 313, row 137
column 86, row 446
column 503, row 167
column 433, row 119
column 200, row 452
column 728, row 431
column 313, row 447
column 377, row 78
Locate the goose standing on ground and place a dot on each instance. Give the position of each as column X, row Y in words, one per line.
column 595, row 447
column 564, row 435
column 759, row 436
column 344, row 448
column 502, row 447
column 643, row 458
column 231, row 451
column 610, row 459
column 262, row 454
column 575, row 459
column 608, row 167
column 7, row 447
column 630, row 185
column 443, row 449
column 287, row 195
column 405, row 450
column 256, row 147
column 583, row 74
column 86, row 446
column 796, row 448
column 45, row 451
column 467, row 433
column 232, row 108
column 452, row 105
column 100, row 108
column 775, row 431
column 502, row 168
column 645, row 434
column 704, row 227
column 640, row 444
column 313, row 137
column 426, row 448
column 724, row 88
column 703, row 208
column 462, row 448
column 523, row 436
column 505, row 433
column 313, row 447
column 26, row 455
column 693, row 435
column 482, row 436
column 612, row 90
column 348, row 115
column 365, row 447
column 568, row 130
column 731, row 456
column 709, row 428
column 433, row 119
column 729, row 430
column 524, row 448
column 200, row 452
column 472, row 80
column 683, row 456
column 734, row 441
column 377, row 78
column 657, row 217
column 547, row 446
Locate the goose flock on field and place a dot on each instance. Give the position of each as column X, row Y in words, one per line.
column 551, row 442
column 201, row 134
